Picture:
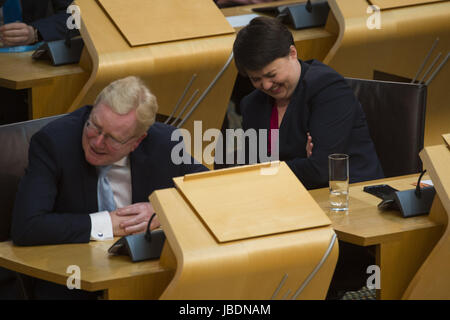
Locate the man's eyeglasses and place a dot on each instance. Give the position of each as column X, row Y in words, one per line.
column 93, row 129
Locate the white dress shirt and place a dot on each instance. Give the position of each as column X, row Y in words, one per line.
column 119, row 177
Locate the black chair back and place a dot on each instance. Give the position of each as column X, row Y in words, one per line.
column 14, row 141
column 395, row 113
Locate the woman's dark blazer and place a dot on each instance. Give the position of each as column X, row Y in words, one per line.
column 324, row 105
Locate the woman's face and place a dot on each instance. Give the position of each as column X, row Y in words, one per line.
column 279, row 78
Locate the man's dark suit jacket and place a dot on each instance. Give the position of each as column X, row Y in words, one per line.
column 34, row 13
column 324, row 105
column 59, row 189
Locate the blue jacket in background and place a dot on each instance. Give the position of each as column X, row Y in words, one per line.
column 47, row 16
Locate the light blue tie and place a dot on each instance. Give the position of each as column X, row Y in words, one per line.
column 12, row 11
column 104, row 192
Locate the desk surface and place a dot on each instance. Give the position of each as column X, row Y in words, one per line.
column 365, row 224
column 99, row 271
column 20, row 71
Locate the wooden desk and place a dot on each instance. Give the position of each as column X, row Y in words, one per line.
column 432, row 281
column 229, row 247
column 401, row 244
column 401, row 247
column 115, row 275
column 51, row 89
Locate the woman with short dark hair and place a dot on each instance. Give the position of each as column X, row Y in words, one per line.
column 301, row 97
column 260, row 43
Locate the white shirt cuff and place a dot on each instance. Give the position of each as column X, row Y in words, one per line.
column 101, row 226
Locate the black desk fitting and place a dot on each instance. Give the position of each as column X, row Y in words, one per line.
column 410, row 203
column 142, row 246
column 300, row 16
column 60, row 52
column 415, row 202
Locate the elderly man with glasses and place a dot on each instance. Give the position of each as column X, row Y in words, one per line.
column 90, row 172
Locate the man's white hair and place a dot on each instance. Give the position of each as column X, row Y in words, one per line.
column 130, row 93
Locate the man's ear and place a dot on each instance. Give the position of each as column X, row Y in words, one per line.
column 138, row 141
column 293, row 52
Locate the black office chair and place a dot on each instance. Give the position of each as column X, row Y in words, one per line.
column 395, row 113
column 14, row 139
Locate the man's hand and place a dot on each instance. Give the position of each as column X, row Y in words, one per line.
column 134, row 218
column 309, row 145
column 17, row 34
column 116, row 221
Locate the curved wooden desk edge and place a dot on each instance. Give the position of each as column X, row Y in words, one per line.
column 335, row 10
column 89, row 55
column 432, row 280
column 117, row 276
column 206, row 269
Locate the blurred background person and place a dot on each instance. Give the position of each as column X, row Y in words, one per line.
column 26, row 22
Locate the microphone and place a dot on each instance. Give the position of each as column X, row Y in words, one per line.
column 308, row 6
column 415, row 202
column 148, row 233
column 141, row 246
column 418, row 191
column 309, row 15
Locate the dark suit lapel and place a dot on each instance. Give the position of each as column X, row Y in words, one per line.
column 141, row 182
column 88, row 172
column 90, row 186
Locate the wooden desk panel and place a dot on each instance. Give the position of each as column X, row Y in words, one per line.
column 20, row 71
column 446, row 138
column 246, row 269
column 365, row 224
column 402, row 244
column 116, row 275
column 432, row 281
column 401, row 247
column 51, row 89
column 231, row 217
column 137, row 19
column 390, row 4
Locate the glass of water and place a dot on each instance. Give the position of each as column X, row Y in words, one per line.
column 338, row 181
